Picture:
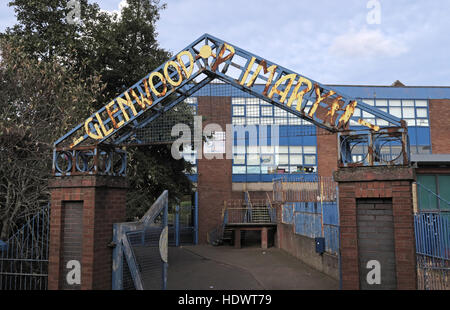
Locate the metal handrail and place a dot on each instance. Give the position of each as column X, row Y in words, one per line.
column 241, row 216
column 271, row 210
column 248, row 202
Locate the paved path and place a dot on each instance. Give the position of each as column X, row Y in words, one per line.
column 206, row 267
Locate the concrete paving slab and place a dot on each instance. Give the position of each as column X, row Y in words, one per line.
column 191, row 271
column 251, row 268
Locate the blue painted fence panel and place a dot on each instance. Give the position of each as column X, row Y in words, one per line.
column 308, row 224
column 330, row 213
column 288, row 214
column 432, row 235
column 307, row 220
column 331, row 234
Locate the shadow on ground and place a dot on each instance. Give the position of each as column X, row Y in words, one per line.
column 206, row 267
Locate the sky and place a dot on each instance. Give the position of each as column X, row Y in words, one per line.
column 356, row 42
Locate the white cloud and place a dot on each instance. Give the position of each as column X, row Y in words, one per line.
column 367, row 44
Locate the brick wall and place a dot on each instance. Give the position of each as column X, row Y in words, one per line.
column 214, row 175
column 377, row 182
column 304, row 248
column 440, row 126
column 72, row 244
column 327, row 154
column 376, row 241
column 103, row 204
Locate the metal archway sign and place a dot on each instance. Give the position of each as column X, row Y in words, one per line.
column 208, row 58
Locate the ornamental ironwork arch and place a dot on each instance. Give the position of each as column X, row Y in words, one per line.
column 92, row 146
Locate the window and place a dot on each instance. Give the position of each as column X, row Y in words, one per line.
column 253, row 159
column 433, row 191
column 267, row 160
column 280, row 112
column 238, row 169
column 237, row 101
column 396, row 111
column 266, row 111
column 422, row 112
column 250, row 159
column 310, row 160
column 252, row 110
column 238, row 120
column 253, row 169
column 381, row 103
column 295, row 121
column 309, row 149
column 215, row 144
column 238, row 110
column 296, row 149
column 296, row 159
column 252, row 101
column 239, row 159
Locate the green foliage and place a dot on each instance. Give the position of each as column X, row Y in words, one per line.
column 53, row 75
column 121, row 49
column 153, row 169
column 40, row 99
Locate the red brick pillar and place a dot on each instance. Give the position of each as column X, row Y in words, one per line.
column 214, row 183
column 264, row 238
column 237, row 238
column 377, row 220
column 83, row 211
column 278, row 237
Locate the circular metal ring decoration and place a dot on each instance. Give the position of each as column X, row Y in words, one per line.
column 63, row 162
column 119, row 163
column 85, row 160
column 391, row 144
column 357, row 146
column 104, row 162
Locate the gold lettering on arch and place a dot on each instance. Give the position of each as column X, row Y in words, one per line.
column 187, row 72
column 296, row 95
column 96, row 127
column 220, row 59
column 167, row 75
column 152, row 86
column 319, row 99
column 283, row 94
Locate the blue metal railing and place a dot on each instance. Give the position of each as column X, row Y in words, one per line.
column 432, row 251
column 308, row 219
column 183, row 226
column 141, row 250
column 432, row 234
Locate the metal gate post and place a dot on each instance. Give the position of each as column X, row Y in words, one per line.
column 165, row 229
column 177, row 226
column 117, row 268
column 339, row 239
column 196, row 219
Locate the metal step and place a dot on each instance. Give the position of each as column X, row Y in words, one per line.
column 260, row 214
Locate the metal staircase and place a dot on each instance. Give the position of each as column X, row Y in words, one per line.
column 241, row 213
column 260, row 215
